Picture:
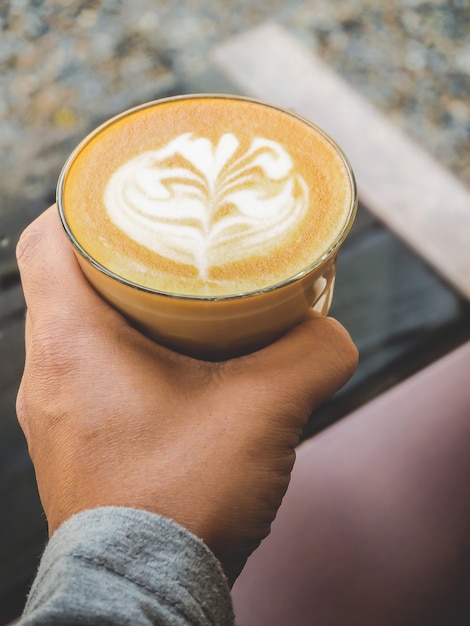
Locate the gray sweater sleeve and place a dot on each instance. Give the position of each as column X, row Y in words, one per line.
column 116, row 565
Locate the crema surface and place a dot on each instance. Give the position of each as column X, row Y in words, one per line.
column 207, row 196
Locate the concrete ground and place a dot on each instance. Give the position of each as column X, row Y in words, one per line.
column 66, row 65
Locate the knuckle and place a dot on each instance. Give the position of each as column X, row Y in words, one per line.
column 21, row 412
column 52, row 355
column 343, row 338
column 26, row 247
column 53, row 345
column 334, row 343
column 44, row 394
column 343, row 347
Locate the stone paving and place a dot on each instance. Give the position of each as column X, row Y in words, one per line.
column 66, row 65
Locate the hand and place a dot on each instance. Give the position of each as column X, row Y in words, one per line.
column 112, row 418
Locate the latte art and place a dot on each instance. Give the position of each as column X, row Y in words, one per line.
column 206, row 196
column 206, row 204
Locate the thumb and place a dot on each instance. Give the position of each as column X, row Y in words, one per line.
column 307, row 365
column 322, row 355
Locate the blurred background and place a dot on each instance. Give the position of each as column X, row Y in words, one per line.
column 65, row 66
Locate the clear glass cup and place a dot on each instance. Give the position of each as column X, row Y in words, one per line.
column 214, row 327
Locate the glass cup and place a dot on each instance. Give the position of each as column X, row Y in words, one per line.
column 215, row 327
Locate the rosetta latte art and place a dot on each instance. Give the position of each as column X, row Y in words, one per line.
column 206, row 205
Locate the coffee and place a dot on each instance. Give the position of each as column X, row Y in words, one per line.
column 212, row 222
column 207, row 196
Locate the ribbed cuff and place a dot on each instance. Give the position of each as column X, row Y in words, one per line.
column 119, row 565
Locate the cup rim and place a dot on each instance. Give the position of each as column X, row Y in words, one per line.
column 329, row 252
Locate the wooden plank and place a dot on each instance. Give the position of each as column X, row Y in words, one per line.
column 398, row 181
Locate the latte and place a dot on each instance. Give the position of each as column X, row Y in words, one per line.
column 207, row 196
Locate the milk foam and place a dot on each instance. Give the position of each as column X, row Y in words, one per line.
column 204, row 204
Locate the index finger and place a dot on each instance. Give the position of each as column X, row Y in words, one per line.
column 53, row 284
